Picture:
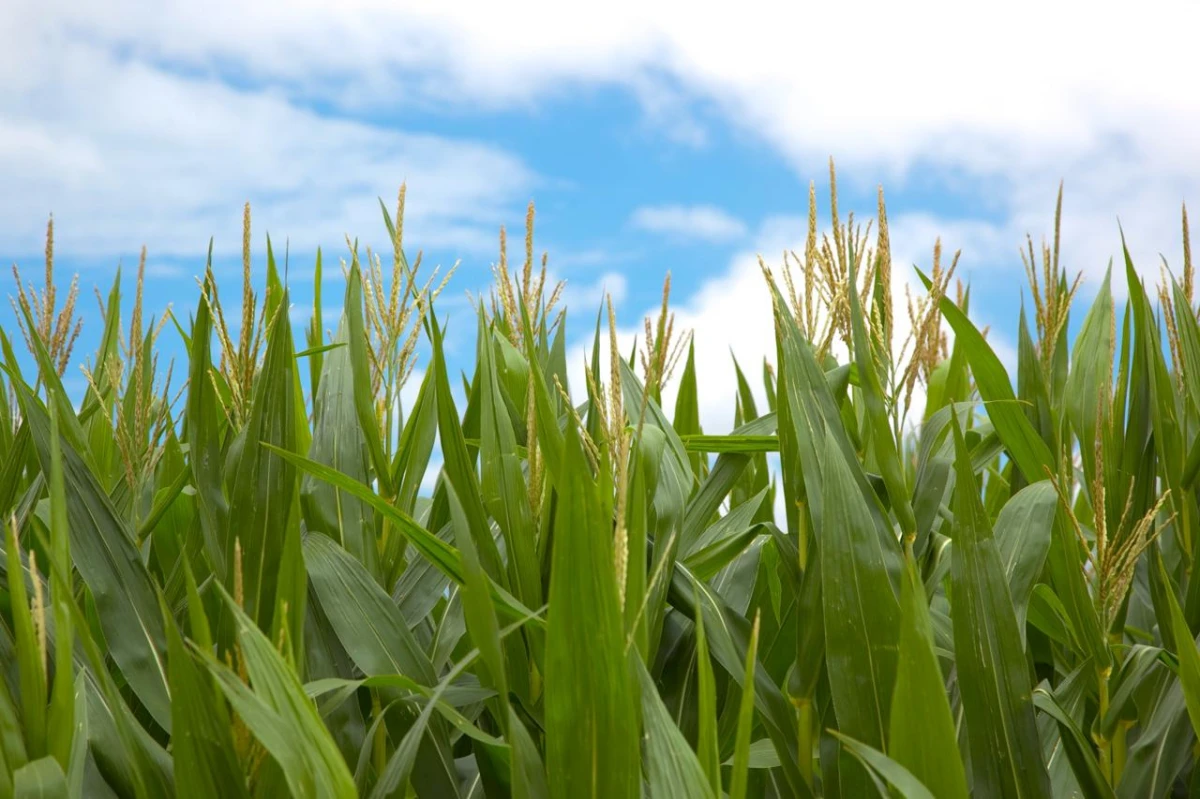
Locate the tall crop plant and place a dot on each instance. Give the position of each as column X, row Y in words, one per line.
column 246, row 576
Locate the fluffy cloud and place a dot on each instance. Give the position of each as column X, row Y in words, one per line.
column 702, row 222
column 157, row 113
column 126, row 152
column 139, row 121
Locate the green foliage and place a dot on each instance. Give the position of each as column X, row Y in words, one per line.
column 268, row 590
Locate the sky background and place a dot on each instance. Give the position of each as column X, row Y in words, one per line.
column 652, row 137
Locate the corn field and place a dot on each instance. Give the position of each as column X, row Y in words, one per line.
column 253, row 573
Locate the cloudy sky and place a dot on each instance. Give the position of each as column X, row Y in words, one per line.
column 652, row 137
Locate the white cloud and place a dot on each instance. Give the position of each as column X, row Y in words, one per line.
column 125, row 152
column 702, row 222
column 96, row 126
column 585, row 298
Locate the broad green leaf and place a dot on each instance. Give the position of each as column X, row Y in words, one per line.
column 366, row 620
column 203, row 430
column 206, row 764
column 13, row 754
column 444, row 557
column 921, row 735
column 1032, row 393
column 1022, row 441
column 103, row 552
column 480, row 613
column 1006, row 759
column 459, row 469
column 810, row 424
column 728, row 635
column 373, row 633
column 1078, row 748
column 862, row 616
column 60, row 718
column 1184, row 643
column 901, row 779
column 262, row 484
column 416, row 444
column 1139, row 664
column 40, row 779
column 400, row 765
column 1023, row 531
column 31, row 668
column 505, row 493
column 721, row 479
column 280, row 715
column 590, row 696
column 1162, row 750
column 360, row 367
column 672, row 770
column 338, row 442
column 1089, row 383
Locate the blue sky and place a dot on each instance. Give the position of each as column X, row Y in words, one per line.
column 651, row 138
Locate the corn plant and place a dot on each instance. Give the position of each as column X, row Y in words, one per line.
column 277, row 581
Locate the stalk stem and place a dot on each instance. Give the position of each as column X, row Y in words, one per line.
column 804, row 719
column 1102, row 742
column 1119, row 751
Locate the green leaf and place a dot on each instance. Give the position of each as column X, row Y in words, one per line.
column 1089, row 383
column 30, row 666
column 590, row 698
column 1023, row 532
column 366, row 620
column 882, row 440
column 708, row 747
column 280, row 715
column 808, row 416
column 444, row 557
column 1022, row 441
column 1078, row 748
column 728, row 635
column 479, row 611
column 360, row 367
column 1006, row 757
column 1185, row 649
column 202, row 747
column 338, row 442
column 922, row 735
column 416, row 444
column 373, row 633
column 203, row 429
column 60, row 718
column 505, row 493
column 862, row 616
column 1162, row 750
column 103, row 552
column 896, row 775
column 730, row 443
column 459, row 469
column 13, row 754
column 40, row 779
column 672, row 770
column 400, row 765
column 745, row 721
column 687, row 409
column 1139, row 664
column 262, row 484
